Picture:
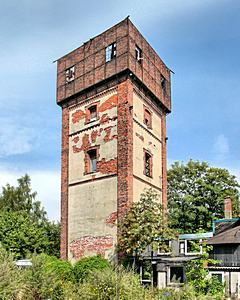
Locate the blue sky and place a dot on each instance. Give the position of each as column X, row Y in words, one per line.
column 198, row 39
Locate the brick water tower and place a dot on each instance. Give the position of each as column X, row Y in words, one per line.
column 114, row 92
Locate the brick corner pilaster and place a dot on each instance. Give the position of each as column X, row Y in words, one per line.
column 64, row 183
column 125, row 146
column 164, row 163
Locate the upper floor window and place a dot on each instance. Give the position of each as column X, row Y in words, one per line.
column 110, row 52
column 147, row 118
column 70, row 74
column 138, row 54
column 163, row 83
column 91, row 113
column 147, row 164
column 92, row 158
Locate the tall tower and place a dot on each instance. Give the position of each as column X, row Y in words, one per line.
column 114, row 91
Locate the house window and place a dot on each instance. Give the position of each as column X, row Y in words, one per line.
column 176, row 275
column 70, row 74
column 163, row 83
column 110, row 52
column 164, row 248
column 93, row 112
column 147, row 118
column 218, row 275
column 138, row 54
column 182, row 247
column 147, row 164
column 193, row 247
column 92, row 160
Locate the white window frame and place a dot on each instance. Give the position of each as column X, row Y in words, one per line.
column 212, row 273
column 193, row 253
column 169, row 276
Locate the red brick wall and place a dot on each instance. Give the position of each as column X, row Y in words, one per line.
column 64, row 183
column 91, row 68
column 125, row 146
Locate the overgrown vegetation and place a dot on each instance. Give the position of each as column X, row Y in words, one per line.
column 52, row 278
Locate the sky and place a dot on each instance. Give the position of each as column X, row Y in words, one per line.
column 198, row 39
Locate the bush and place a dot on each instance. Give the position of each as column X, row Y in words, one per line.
column 85, row 266
column 110, row 284
column 11, row 278
column 47, row 277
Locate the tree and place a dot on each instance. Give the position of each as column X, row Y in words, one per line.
column 196, row 195
column 144, row 224
column 22, row 199
column 24, row 226
column 20, row 236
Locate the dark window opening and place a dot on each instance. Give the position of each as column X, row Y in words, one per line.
column 110, row 52
column 70, row 74
column 147, row 118
column 93, row 112
column 92, row 155
column 218, row 276
column 138, row 54
column 176, row 275
column 163, row 83
column 193, row 246
column 148, row 165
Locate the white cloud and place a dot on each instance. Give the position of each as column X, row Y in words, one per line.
column 221, row 147
column 14, row 138
column 46, row 183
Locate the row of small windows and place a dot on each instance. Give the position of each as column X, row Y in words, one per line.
column 92, row 114
column 91, row 162
column 110, row 54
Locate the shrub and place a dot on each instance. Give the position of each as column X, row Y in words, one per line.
column 11, row 278
column 85, row 266
column 110, row 284
column 47, row 278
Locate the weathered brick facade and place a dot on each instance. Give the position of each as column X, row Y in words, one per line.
column 113, row 136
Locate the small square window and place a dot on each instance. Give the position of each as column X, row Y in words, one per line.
column 147, row 164
column 70, row 74
column 219, row 276
column 110, row 52
column 92, row 156
column 138, row 54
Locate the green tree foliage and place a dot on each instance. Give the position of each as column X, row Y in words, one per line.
column 85, row 266
column 24, row 227
column 144, row 224
column 20, row 236
column 196, row 195
column 22, row 199
column 197, row 276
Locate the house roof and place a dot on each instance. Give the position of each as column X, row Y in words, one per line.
column 225, row 224
column 229, row 236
